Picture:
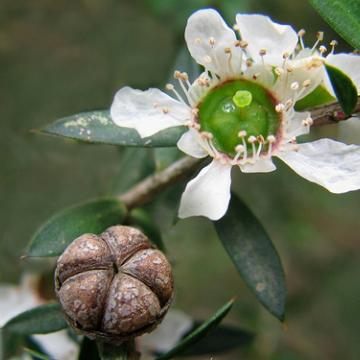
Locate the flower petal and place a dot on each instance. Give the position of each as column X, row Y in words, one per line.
column 147, row 111
column 263, row 165
column 294, row 125
column 331, row 164
column 349, row 64
column 208, row 194
column 189, row 144
column 262, row 33
column 207, row 36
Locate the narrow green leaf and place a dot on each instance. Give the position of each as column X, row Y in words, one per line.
column 97, row 127
column 319, row 96
column 92, row 217
column 36, row 355
column 343, row 16
column 142, row 220
column 199, row 333
column 222, row 338
column 43, row 319
column 345, row 90
column 254, row 255
column 135, row 164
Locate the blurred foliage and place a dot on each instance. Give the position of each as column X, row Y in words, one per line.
column 62, row 57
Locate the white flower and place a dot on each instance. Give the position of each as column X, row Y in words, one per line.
column 240, row 111
column 17, row 299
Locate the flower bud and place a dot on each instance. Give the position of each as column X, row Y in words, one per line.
column 115, row 286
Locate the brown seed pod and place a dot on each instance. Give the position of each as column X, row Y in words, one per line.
column 114, row 286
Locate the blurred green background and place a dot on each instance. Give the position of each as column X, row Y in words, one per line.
column 61, row 57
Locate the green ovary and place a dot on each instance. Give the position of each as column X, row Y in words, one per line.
column 236, row 106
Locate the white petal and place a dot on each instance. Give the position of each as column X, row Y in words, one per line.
column 207, row 36
column 294, row 126
column 147, row 111
column 331, row 164
column 262, row 33
column 189, row 144
column 208, row 194
column 263, row 165
column 347, row 63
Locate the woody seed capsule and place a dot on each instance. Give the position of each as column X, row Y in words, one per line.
column 115, row 286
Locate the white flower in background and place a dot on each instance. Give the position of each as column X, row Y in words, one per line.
column 17, row 299
column 240, row 111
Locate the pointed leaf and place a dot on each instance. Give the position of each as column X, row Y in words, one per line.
column 92, row 217
column 97, row 127
column 345, row 90
column 43, row 319
column 36, row 355
column 254, row 255
column 319, row 96
column 222, row 338
column 141, row 219
column 343, row 16
column 199, row 333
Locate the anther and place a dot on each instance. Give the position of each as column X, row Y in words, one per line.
column 249, row 62
column 322, row 49
column 278, row 71
column 262, row 52
column 177, row 74
column 242, row 133
column 165, row 110
column 169, row 87
column 320, row 35
column 294, row 86
column 333, row 43
column 251, row 139
column 184, row 76
column 306, row 83
column 279, row 107
column 212, row 41
column 239, row 148
column 243, row 44
column 271, row 139
column 227, row 50
column 301, row 32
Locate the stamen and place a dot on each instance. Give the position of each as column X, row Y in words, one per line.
column 251, row 140
column 239, row 150
column 271, row 139
column 333, row 43
column 301, row 34
column 242, row 135
column 211, row 41
column 171, row 87
column 320, row 37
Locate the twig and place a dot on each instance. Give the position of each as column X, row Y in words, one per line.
column 153, row 184
column 331, row 114
column 146, row 189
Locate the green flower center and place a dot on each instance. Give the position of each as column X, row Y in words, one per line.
column 239, row 112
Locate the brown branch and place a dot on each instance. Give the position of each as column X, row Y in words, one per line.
column 146, row 189
column 331, row 113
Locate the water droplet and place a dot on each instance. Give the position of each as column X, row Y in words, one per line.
column 228, row 107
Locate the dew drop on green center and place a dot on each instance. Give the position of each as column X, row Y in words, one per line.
column 235, row 106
